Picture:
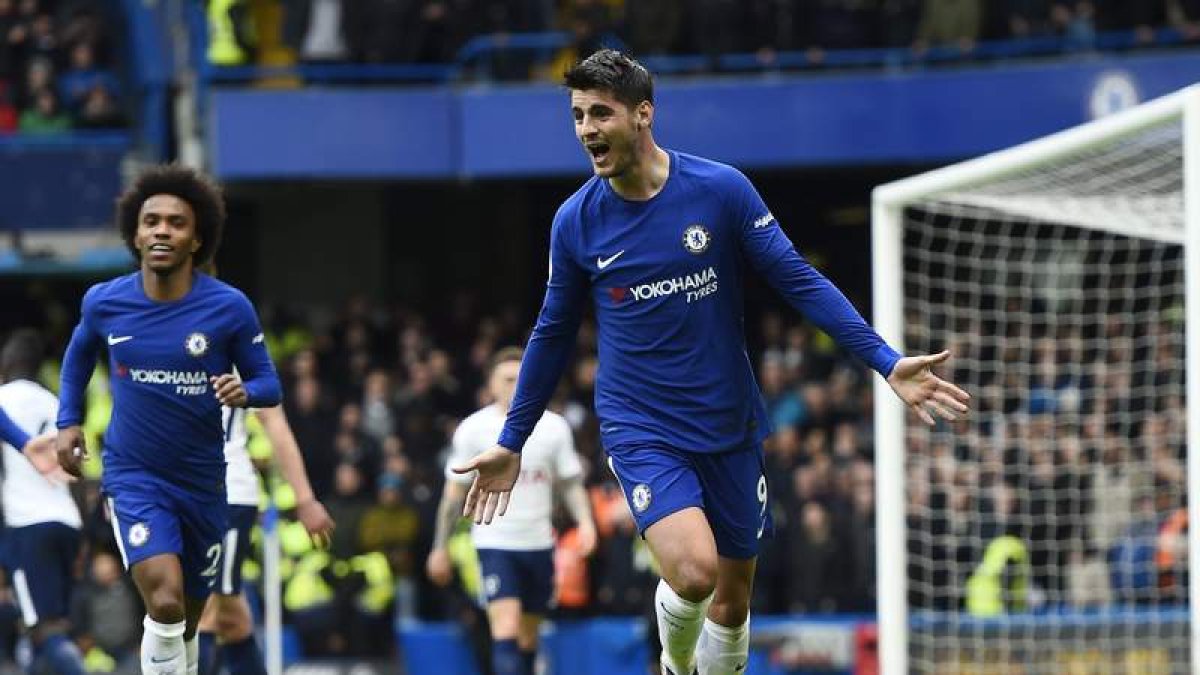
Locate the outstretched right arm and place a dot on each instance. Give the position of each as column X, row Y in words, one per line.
column 553, row 336
column 78, row 364
column 545, row 359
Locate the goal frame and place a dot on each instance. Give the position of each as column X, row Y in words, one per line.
column 887, row 211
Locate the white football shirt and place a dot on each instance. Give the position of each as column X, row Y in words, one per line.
column 548, row 456
column 241, row 480
column 29, row 497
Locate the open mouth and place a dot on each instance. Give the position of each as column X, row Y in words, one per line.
column 160, row 250
column 599, row 151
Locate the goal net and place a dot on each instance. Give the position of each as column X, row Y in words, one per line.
column 1046, row 533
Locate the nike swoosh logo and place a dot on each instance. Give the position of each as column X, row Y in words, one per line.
column 154, row 660
column 605, row 262
column 740, row 668
column 257, row 339
column 114, row 340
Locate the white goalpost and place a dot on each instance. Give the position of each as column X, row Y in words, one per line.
column 1048, row 532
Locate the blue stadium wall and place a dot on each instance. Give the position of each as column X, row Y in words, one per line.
column 911, row 117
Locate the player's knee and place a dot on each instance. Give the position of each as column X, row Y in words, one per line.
column 695, row 578
column 232, row 624
column 164, row 605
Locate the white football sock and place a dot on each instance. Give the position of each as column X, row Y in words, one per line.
column 679, row 624
column 162, row 648
column 192, row 649
column 723, row 650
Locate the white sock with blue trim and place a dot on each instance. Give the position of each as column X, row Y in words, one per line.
column 163, row 651
column 679, row 624
column 723, row 650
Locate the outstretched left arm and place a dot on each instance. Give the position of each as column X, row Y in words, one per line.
column 775, row 257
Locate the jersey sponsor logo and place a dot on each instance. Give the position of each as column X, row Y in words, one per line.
column 641, row 497
column 186, row 383
column 695, row 285
column 139, row 534
column 605, row 262
column 118, row 339
column 696, row 239
column 763, row 221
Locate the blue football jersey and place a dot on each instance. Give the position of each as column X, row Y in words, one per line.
column 665, row 278
column 166, row 418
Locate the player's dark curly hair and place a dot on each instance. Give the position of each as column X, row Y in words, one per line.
column 193, row 187
column 610, row 70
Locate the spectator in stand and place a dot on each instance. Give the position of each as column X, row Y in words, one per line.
column 38, row 76
column 837, row 24
column 897, row 22
column 105, row 613
column 313, row 423
column 713, row 27
column 654, row 27
column 819, row 562
column 40, row 39
column 99, row 111
column 950, row 23
column 75, row 85
column 1023, row 18
column 45, row 117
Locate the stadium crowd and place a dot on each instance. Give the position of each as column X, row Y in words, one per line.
column 56, row 67
column 433, row 31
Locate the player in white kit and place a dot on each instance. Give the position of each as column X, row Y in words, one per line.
column 227, row 615
column 516, row 553
column 42, row 521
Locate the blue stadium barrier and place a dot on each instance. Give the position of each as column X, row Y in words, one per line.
column 618, row 646
column 60, row 182
column 786, row 120
column 1142, row 640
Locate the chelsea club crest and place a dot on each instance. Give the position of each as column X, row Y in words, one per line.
column 696, row 239
column 641, row 497
column 139, row 533
column 196, row 344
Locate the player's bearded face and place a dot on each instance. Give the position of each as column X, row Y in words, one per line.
column 608, row 130
column 166, row 235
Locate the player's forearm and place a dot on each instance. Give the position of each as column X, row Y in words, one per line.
column 287, row 452
column 263, row 390
column 78, row 363
column 822, row 303
column 575, row 498
column 11, row 433
column 448, row 513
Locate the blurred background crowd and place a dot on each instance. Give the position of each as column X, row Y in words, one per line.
column 1084, row 467
column 56, row 69
column 433, row 31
